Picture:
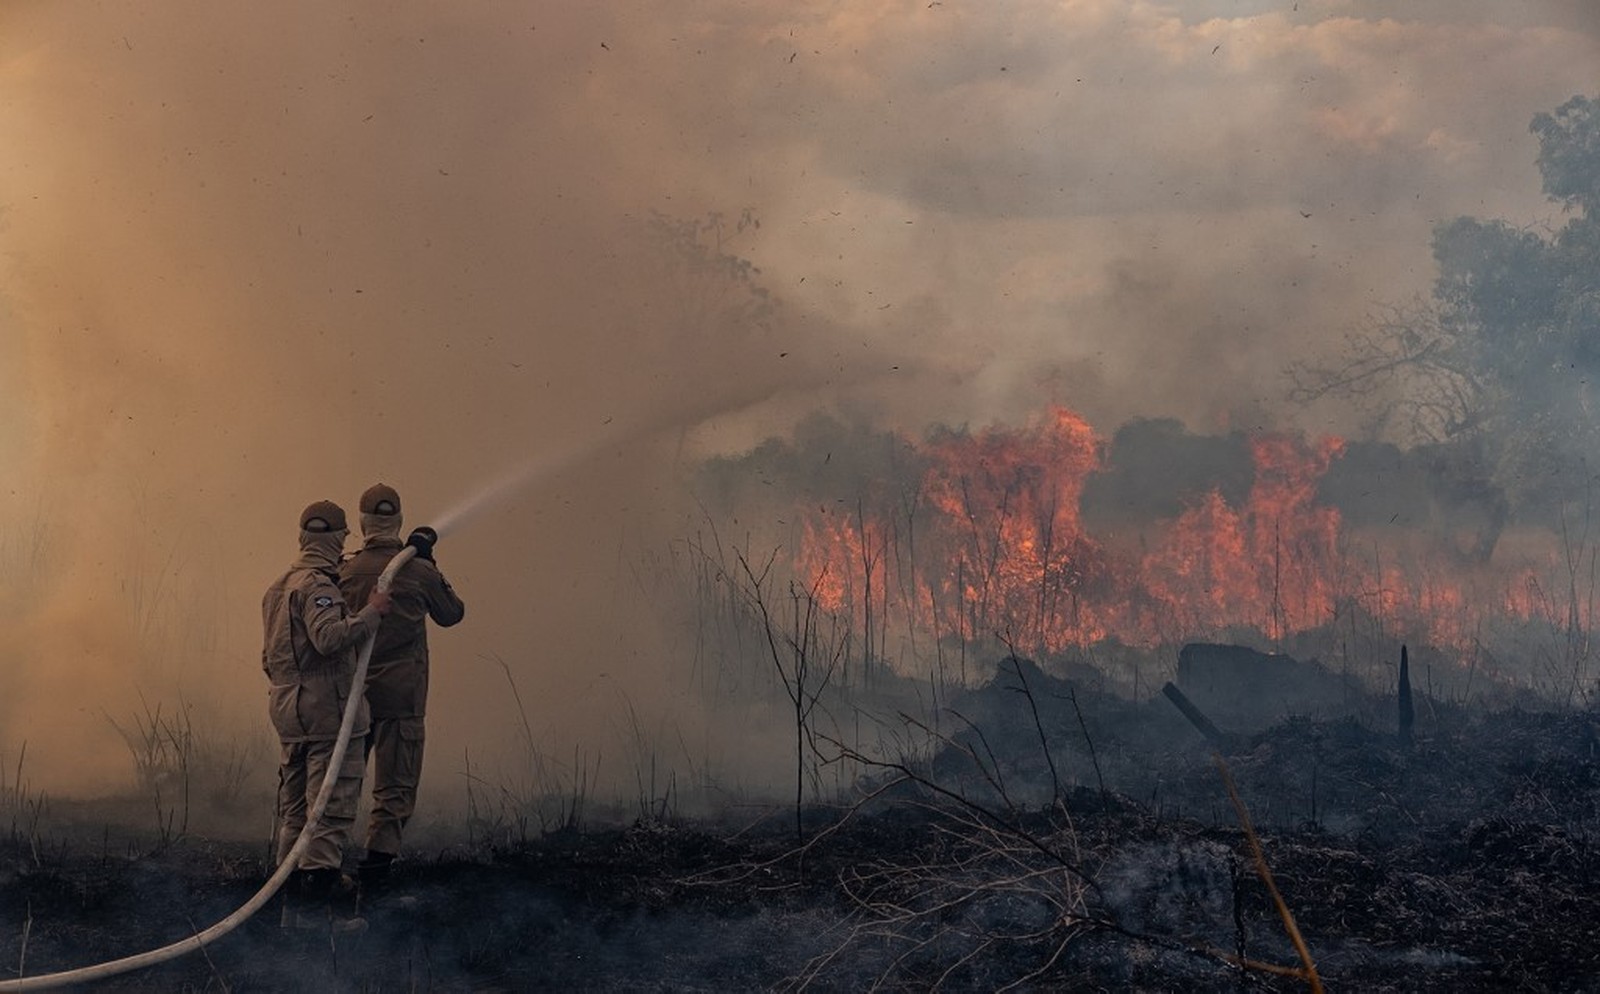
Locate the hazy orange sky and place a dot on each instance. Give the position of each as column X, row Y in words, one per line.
column 253, row 255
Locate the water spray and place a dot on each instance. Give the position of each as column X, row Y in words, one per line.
column 497, row 491
column 200, row 940
column 511, row 483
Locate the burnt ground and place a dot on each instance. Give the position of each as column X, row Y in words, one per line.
column 1465, row 862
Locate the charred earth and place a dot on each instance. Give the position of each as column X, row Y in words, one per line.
column 1037, row 832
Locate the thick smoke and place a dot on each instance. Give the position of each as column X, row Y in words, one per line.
column 260, row 255
column 290, row 252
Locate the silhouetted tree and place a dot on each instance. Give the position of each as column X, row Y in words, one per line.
column 1503, row 363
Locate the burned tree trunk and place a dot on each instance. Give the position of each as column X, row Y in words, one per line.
column 1218, row 740
column 1407, row 712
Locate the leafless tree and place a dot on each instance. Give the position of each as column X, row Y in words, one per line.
column 1410, row 373
column 805, row 645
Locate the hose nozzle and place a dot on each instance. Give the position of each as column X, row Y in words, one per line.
column 422, row 539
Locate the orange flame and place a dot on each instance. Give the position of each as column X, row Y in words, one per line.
column 992, row 544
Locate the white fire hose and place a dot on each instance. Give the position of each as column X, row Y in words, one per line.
column 200, row 940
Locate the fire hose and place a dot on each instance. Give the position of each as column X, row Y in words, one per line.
column 200, row 940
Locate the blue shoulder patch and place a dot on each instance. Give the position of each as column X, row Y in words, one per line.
column 323, row 601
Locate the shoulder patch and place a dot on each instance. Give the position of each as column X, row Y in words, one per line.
column 323, row 601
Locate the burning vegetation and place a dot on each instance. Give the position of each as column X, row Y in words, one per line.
column 1050, row 539
column 1040, row 736
column 1053, row 710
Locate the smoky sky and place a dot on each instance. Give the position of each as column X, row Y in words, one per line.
column 257, row 255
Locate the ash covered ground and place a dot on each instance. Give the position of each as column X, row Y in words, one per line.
column 1047, row 834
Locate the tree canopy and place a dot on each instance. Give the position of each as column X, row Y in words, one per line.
column 1504, row 360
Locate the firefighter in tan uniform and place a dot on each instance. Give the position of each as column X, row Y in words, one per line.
column 310, row 654
column 397, row 678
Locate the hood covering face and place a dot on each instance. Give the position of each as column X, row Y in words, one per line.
column 380, row 529
column 321, row 550
column 322, row 532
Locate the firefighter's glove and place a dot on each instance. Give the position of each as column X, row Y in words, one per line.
column 422, row 540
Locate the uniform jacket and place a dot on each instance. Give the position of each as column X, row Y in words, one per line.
column 397, row 679
column 312, row 643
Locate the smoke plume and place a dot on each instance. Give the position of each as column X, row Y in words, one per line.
column 259, row 255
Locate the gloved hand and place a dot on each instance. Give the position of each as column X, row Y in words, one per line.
column 422, row 540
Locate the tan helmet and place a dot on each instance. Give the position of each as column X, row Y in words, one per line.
column 380, row 498
column 323, row 516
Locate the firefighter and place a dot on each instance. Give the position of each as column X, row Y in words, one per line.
column 310, row 653
column 397, row 680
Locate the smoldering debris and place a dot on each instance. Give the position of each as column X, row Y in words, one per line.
column 1046, row 834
